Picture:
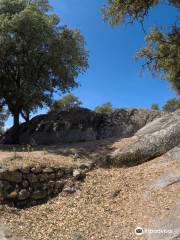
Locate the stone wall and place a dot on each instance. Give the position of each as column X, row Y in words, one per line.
column 32, row 185
column 81, row 125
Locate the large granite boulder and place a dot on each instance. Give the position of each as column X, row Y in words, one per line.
column 5, row 233
column 155, row 139
column 81, row 125
column 124, row 123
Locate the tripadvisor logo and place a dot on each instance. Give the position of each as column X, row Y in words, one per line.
column 139, row 231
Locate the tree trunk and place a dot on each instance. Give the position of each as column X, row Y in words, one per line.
column 16, row 119
column 15, row 132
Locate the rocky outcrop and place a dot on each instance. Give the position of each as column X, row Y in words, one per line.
column 155, row 139
column 124, row 123
column 28, row 186
column 81, row 125
column 6, row 234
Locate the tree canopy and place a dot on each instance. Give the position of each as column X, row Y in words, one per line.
column 118, row 11
column 66, row 103
column 172, row 105
column 105, row 108
column 154, row 106
column 162, row 51
column 38, row 56
column 162, row 55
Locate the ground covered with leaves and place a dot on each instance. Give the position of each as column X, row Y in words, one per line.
column 111, row 204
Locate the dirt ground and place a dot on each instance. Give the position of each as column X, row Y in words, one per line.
column 67, row 154
column 111, row 205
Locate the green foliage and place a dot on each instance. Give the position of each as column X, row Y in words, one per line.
column 66, row 103
column 37, row 55
column 105, row 108
column 162, row 55
column 162, row 51
column 155, row 106
column 172, row 105
column 118, row 11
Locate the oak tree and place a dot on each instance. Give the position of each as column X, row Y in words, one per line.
column 162, row 51
column 66, row 103
column 172, row 105
column 105, row 108
column 38, row 56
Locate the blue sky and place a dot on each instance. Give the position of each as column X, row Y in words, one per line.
column 114, row 76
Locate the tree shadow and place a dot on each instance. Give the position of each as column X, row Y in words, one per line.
column 96, row 151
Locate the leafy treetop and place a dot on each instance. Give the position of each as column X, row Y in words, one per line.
column 155, row 106
column 162, row 55
column 119, row 11
column 172, row 105
column 66, row 103
column 38, row 56
column 162, row 51
column 105, row 108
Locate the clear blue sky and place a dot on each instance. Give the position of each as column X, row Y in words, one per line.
column 113, row 75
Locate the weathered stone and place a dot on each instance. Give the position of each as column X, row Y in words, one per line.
column 11, row 176
column 32, row 178
column 49, row 187
column 48, row 170
column 69, row 190
column 52, row 176
column 76, row 173
column 79, row 175
column 60, row 173
column 51, row 184
column 39, row 194
column 23, row 194
column 5, row 233
column 68, row 171
column 155, row 139
column 81, row 125
column 87, row 166
column 25, row 183
column 36, row 169
column 30, row 189
column 13, row 195
column 42, row 177
column 45, row 187
column 56, row 168
column 25, row 169
column 60, row 184
column 37, row 186
column 5, row 188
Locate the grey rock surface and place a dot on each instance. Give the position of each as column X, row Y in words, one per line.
column 170, row 175
column 11, row 176
column 155, row 139
column 168, row 178
column 5, row 233
column 173, row 154
column 23, row 194
column 69, row 189
column 81, row 125
column 167, row 228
